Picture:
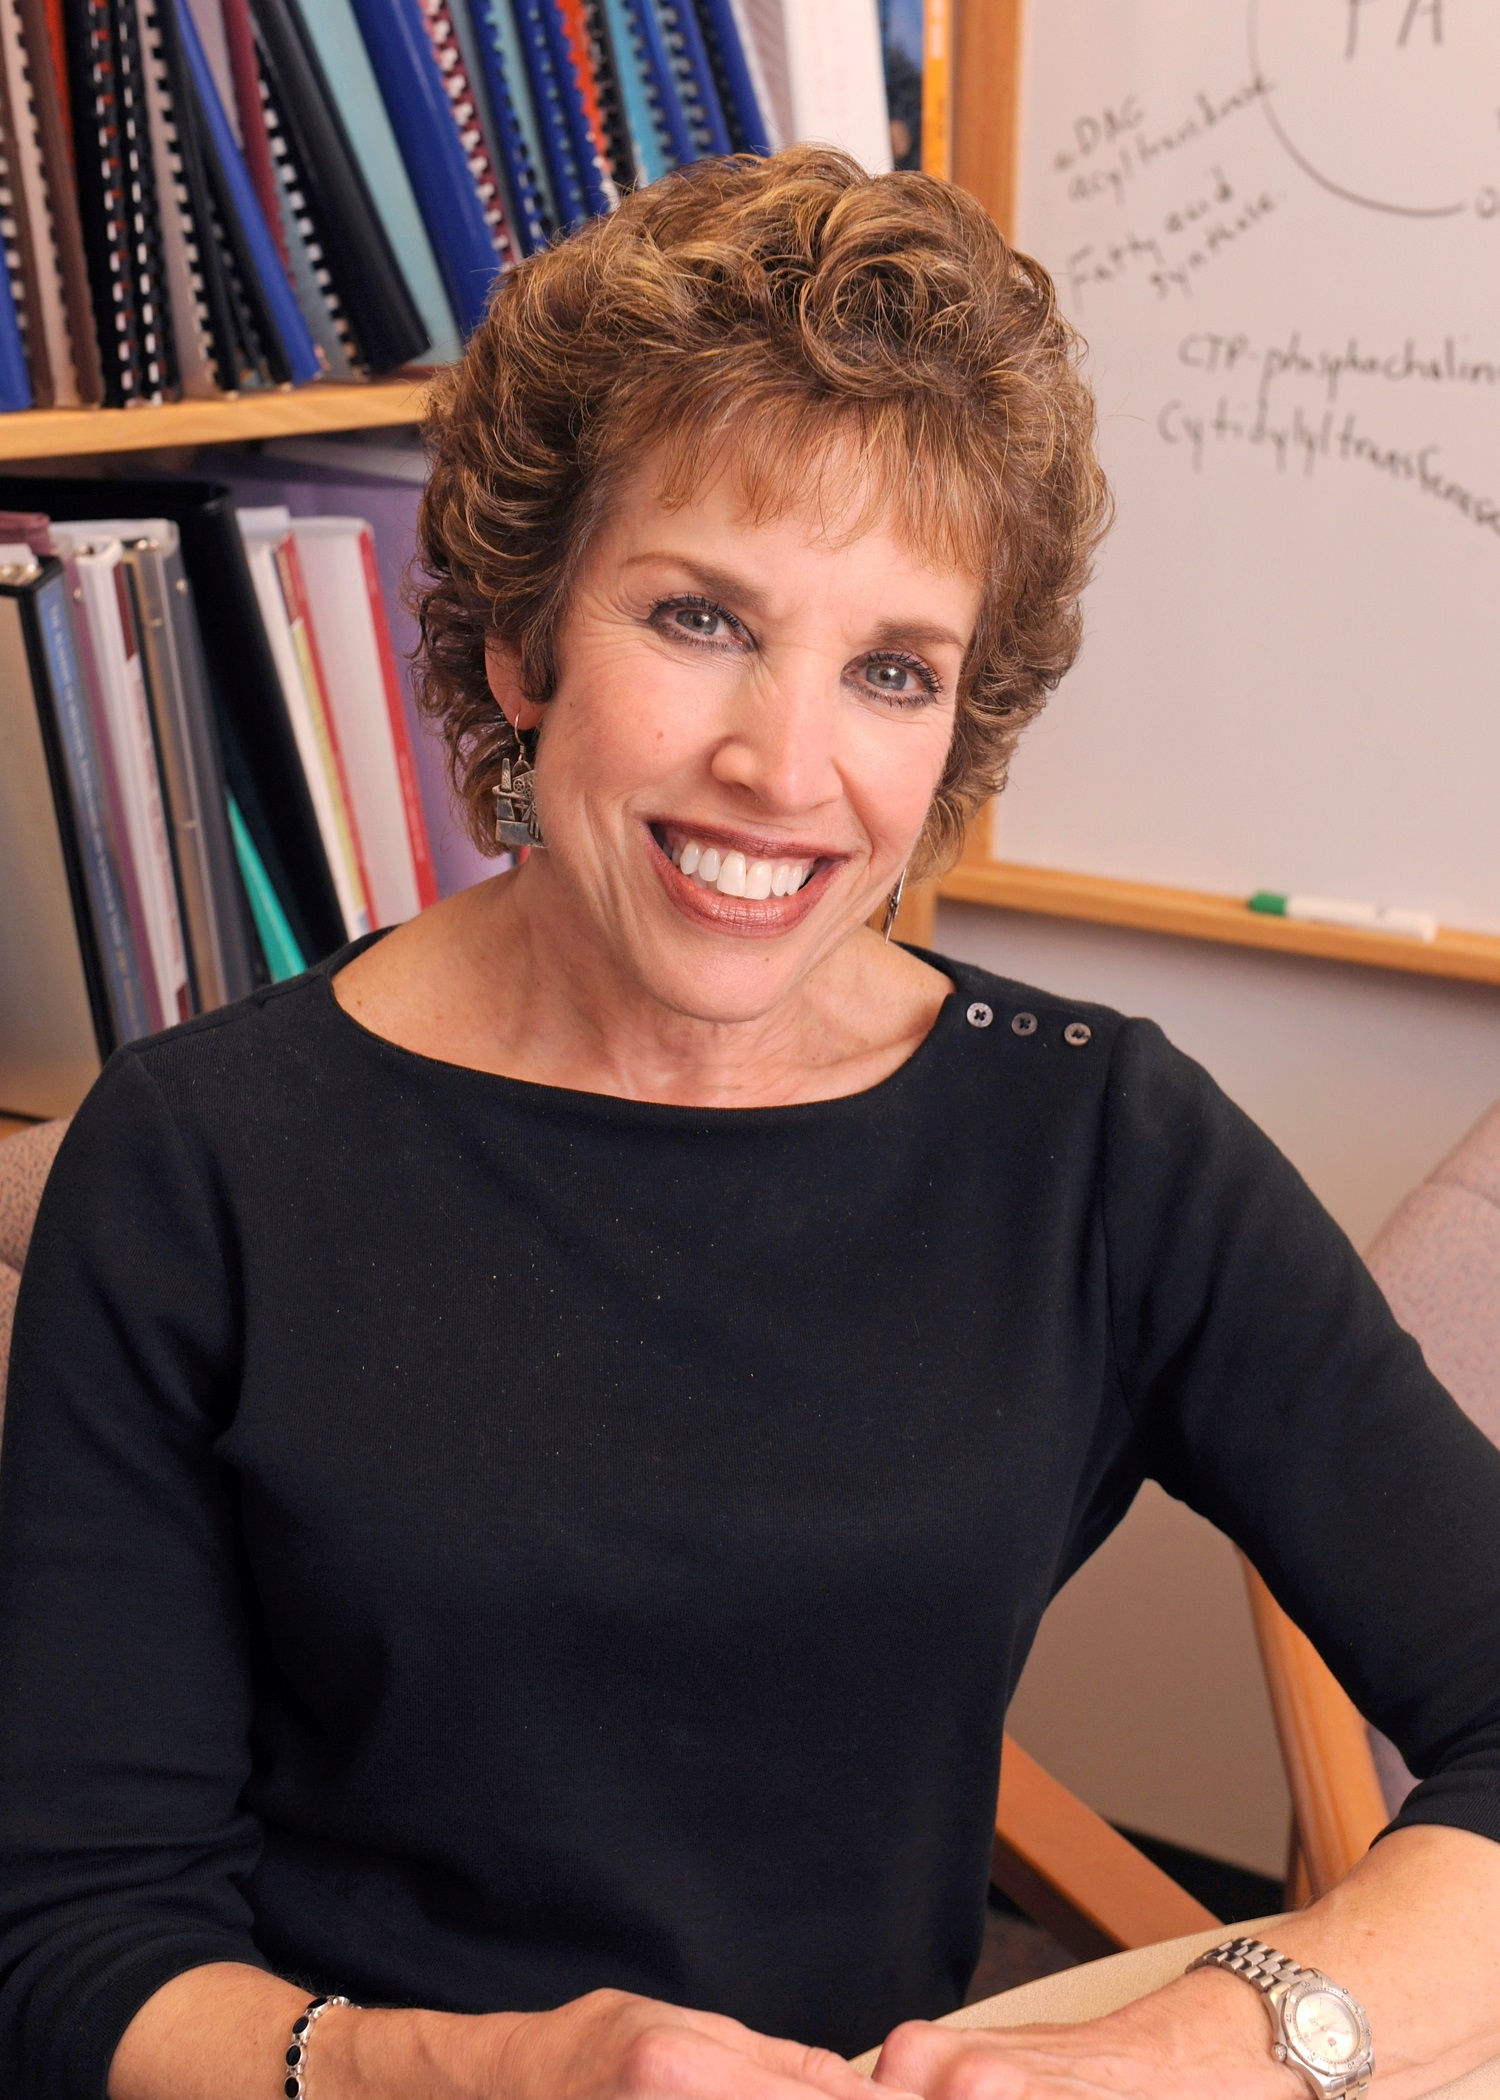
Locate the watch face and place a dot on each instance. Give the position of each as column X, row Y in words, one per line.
column 1325, row 2028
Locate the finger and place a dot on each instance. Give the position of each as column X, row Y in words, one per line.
column 686, row 2062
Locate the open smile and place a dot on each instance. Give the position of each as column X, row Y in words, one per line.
column 738, row 884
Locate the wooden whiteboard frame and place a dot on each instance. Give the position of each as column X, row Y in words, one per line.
column 985, row 161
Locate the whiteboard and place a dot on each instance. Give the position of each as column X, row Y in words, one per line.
column 1277, row 222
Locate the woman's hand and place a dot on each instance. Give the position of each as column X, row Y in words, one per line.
column 606, row 2046
column 1202, row 2038
column 612, row 2046
column 221, row 2033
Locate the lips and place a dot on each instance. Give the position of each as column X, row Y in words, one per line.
column 734, row 887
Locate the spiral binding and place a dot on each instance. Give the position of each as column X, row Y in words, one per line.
column 583, row 186
column 11, row 220
column 290, row 185
column 138, row 347
column 618, row 148
column 693, row 75
column 198, row 319
column 654, row 57
column 529, row 199
column 448, row 52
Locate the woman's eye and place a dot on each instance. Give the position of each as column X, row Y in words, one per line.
column 697, row 619
column 896, row 680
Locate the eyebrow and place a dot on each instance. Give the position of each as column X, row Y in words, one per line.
column 723, row 583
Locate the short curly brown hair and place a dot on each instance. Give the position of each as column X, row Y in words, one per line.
column 767, row 311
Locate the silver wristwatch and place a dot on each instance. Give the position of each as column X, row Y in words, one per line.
column 1316, row 2027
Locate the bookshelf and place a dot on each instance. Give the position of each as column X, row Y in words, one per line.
column 78, row 433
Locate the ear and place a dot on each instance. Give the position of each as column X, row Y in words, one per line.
column 502, row 668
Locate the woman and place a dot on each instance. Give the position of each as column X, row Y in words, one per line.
column 537, row 1451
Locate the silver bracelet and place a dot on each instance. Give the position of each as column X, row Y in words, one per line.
column 296, row 2055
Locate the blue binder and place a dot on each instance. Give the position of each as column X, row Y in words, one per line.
column 15, row 380
column 655, row 61
column 517, row 134
column 411, row 86
column 581, row 185
column 693, row 76
column 639, row 93
column 299, row 352
column 737, row 97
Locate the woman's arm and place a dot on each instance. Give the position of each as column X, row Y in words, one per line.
column 221, row 2033
column 1413, row 1933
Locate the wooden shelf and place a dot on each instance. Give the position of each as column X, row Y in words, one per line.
column 57, row 433
column 1201, row 915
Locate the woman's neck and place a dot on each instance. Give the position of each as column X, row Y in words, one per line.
column 504, row 979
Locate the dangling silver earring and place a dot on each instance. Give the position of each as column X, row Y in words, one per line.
column 893, row 903
column 516, row 822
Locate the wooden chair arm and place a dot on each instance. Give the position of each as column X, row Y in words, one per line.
column 1325, row 1746
column 1067, row 1869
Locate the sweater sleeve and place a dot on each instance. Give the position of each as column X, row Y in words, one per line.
column 1280, row 1399
column 124, row 1657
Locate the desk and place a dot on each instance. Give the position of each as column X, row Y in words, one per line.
column 1099, row 1987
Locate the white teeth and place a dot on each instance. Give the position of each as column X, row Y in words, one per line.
column 733, row 875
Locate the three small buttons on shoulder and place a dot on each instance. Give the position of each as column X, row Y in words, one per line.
column 1075, row 1035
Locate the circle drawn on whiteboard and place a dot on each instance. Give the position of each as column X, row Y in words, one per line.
column 1389, row 104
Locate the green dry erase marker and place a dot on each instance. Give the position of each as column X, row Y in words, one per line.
column 1341, row 911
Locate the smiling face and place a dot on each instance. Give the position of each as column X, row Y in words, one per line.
column 750, row 720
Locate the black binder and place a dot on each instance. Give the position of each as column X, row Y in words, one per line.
column 384, row 327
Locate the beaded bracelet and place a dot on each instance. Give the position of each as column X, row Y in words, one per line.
column 296, row 2055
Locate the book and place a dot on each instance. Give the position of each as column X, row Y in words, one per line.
column 251, row 132
column 692, row 76
column 283, row 958
column 385, row 329
column 265, row 289
column 645, row 38
column 261, row 764
column 55, row 1024
column 383, row 485
column 342, row 581
column 416, row 100
column 276, row 574
column 191, row 763
column 582, row 185
column 108, row 606
column 52, row 201
column 836, row 77
column 734, row 76
column 118, row 201
column 334, row 33
column 518, row 137
column 21, row 251
column 202, row 310
column 937, row 89
column 15, row 379
column 80, row 775
column 596, row 33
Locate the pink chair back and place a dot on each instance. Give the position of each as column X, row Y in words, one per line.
column 1437, row 1259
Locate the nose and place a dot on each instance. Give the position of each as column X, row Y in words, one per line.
column 780, row 744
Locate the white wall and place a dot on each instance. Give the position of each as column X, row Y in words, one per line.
column 1144, row 1691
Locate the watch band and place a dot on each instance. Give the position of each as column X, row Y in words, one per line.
column 1255, row 1961
column 1276, row 1976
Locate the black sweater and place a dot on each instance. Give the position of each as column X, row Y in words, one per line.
column 465, row 1542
